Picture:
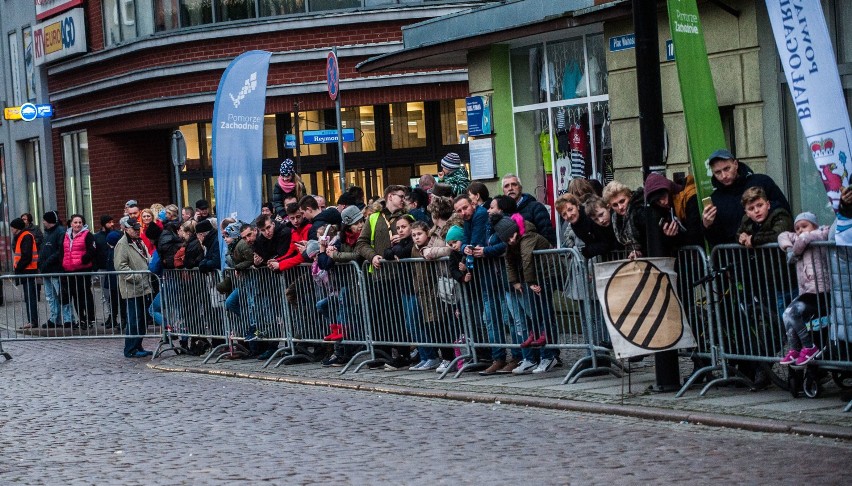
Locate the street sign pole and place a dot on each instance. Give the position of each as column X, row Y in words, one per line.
column 333, row 79
column 178, row 161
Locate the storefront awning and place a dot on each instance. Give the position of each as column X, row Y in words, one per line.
column 445, row 41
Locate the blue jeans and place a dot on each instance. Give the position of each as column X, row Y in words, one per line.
column 517, row 322
column 340, row 301
column 156, row 310
column 53, row 296
column 414, row 324
column 493, row 312
column 134, row 325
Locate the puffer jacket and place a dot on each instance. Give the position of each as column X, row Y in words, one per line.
column 458, row 181
column 79, row 251
column 520, row 264
column 130, row 257
column 811, row 271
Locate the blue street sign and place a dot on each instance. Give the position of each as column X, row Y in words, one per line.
column 289, row 141
column 622, row 42
column 44, row 111
column 670, row 50
column 327, row 136
column 29, row 112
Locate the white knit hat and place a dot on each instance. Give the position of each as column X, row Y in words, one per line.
column 451, row 161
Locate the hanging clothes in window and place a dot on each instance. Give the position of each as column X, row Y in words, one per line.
column 579, row 148
column 570, row 79
column 606, row 152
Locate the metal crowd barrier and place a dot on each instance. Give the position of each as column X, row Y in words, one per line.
column 191, row 308
column 79, row 305
column 402, row 299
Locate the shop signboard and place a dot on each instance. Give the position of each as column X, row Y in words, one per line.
column 28, row 112
column 48, row 8
column 478, row 115
column 482, row 159
column 60, row 37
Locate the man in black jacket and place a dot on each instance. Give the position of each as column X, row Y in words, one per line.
column 318, row 217
column 50, row 261
column 532, row 210
column 109, row 283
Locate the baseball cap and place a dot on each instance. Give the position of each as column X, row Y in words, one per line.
column 721, row 154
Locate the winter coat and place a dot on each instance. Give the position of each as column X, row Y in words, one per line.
column 37, row 234
column 777, row 222
column 630, row 229
column 436, row 247
column 327, row 216
column 476, row 230
column 424, row 282
column 102, row 250
column 400, row 250
column 243, row 256
column 729, row 207
column 596, row 239
column 193, row 253
column 811, row 271
column 520, row 264
column 79, row 251
column 345, row 252
column 458, row 181
column 278, row 196
column 535, row 212
column 375, row 242
column 212, row 259
column 52, row 250
column 168, row 246
column 278, row 246
column 132, row 257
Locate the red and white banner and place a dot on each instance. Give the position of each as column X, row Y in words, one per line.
column 46, row 8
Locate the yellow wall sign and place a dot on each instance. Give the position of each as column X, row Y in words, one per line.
column 13, row 113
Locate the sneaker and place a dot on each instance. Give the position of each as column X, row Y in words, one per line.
column 790, row 358
column 334, row 360
column 430, row 364
column 418, row 366
column 144, row 353
column 806, row 355
column 524, row 367
column 545, row 365
column 496, row 365
column 510, row 367
column 395, row 366
column 444, row 366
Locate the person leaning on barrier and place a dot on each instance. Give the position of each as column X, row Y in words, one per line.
column 590, row 239
column 275, row 247
column 730, row 180
column 674, row 214
column 316, row 217
column 25, row 262
column 50, row 261
column 205, row 232
column 521, row 241
column 531, row 210
column 628, row 217
column 131, row 255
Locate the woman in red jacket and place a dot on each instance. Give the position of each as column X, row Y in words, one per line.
column 79, row 257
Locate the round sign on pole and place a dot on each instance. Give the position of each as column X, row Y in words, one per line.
column 332, row 75
column 29, row 112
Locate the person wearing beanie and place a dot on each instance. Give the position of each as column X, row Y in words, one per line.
column 210, row 241
column 50, row 262
column 454, row 174
column 814, row 279
column 131, row 255
column 288, row 186
column 25, row 262
column 533, row 287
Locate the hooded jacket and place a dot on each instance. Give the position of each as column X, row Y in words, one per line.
column 535, row 212
column 327, row 216
column 728, row 202
column 50, row 255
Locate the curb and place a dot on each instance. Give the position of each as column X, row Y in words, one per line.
column 641, row 412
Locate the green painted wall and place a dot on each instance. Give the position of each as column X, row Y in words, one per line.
column 504, row 124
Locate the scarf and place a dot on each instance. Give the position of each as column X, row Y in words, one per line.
column 286, row 186
column 351, row 239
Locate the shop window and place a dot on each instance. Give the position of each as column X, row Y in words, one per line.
column 270, row 138
column 207, row 148
column 526, row 68
column 193, row 150
column 843, row 37
column 319, row 5
column 362, row 119
column 166, row 15
column 312, row 120
column 127, row 19
column 408, row 125
column 281, row 7
column 453, row 122
column 195, row 12
column 227, row 10
column 78, row 182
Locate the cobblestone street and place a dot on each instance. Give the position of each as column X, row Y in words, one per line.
column 78, row 412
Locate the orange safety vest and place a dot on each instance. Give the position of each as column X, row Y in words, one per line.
column 17, row 256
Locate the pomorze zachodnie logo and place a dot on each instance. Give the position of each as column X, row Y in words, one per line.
column 249, row 86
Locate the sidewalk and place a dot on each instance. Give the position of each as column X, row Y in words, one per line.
column 770, row 410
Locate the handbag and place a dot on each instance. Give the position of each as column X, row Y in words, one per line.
column 449, row 290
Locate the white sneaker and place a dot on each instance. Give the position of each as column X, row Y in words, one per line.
column 444, row 366
column 525, row 367
column 545, row 365
column 430, row 364
column 417, row 367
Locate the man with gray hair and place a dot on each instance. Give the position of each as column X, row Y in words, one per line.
column 532, row 210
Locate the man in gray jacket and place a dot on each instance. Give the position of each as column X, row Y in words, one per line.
column 131, row 255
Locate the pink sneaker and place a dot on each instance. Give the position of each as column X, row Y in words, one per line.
column 790, row 358
column 806, row 355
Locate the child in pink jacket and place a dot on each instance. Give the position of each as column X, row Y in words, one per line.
column 813, row 276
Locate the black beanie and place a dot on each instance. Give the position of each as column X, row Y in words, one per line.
column 106, row 218
column 204, row 226
column 18, row 224
column 50, row 217
column 505, row 229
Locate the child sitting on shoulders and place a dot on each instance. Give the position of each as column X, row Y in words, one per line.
column 814, row 292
